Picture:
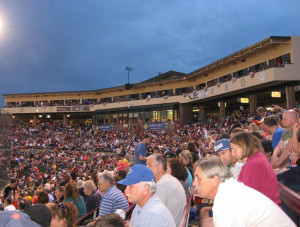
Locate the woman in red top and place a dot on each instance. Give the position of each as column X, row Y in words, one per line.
column 257, row 172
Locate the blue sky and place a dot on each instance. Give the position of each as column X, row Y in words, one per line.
column 71, row 45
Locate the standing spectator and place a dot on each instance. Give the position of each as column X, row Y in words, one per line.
column 141, row 150
column 9, row 191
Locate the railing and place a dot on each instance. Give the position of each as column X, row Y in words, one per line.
column 290, row 198
column 186, row 211
column 93, row 214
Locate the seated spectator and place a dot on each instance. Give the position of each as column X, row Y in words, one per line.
column 253, row 128
column 285, row 146
column 176, row 168
column 187, row 160
column 71, row 194
column 194, row 151
column 291, row 177
column 16, row 218
column 272, row 127
column 223, row 150
column 79, row 186
column 59, row 194
column 266, row 144
column 169, row 189
column 40, row 213
column 42, row 197
column 9, row 205
column 149, row 211
column 92, row 196
column 113, row 198
column 235, row 204
column 110, row 220
column 63, row 214
column 257, row 172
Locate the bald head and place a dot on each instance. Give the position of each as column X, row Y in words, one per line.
column 289, row 119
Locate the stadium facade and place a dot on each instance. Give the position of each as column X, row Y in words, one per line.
column 265, row 73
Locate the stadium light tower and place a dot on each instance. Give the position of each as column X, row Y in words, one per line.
column 128, row 69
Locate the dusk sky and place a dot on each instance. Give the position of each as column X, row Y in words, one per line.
column 75, row 45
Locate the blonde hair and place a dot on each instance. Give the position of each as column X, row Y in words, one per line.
column 253, row 128
column 186, row 154
column 90, row 185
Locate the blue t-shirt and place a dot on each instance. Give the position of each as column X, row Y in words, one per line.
column 140, row 149
column 277, row 136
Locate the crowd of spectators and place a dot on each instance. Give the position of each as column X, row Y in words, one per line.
column 79, row 167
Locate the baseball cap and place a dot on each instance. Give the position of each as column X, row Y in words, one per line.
column 222, row 144
column 16, row 219
column 122, row 166
column 136, row 174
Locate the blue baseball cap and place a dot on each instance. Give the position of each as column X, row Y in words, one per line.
column 16, row 219
column 222, row 145
column 136, row 174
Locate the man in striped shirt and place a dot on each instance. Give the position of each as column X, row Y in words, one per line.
column 113, row 198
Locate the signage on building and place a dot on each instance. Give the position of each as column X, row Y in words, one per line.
column 73, row 108
column 156, row 126
column 243, row 100
column 276, row 94
column 105, row 127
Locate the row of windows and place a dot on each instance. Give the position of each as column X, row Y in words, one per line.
column 136, row 117
column 275, row 62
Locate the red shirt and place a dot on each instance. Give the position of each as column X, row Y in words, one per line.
column 258, row 174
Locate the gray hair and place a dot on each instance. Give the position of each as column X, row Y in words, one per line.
column 151, row 184
column 213, row 166
column 107, row 177
column 159, row 160
column 90, row 185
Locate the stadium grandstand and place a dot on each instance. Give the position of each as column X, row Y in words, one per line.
column 262, row 74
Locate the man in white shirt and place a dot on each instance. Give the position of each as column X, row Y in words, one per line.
column 169, row 189
column 234, row 203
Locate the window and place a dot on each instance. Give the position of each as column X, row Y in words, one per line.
column 57, row 102
column 200, row 86
column 105, row 100
column 89, row 101
column 72, row 102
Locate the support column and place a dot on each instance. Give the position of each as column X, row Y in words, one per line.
column 290, row 97
column 222, row 109
column 185, row 113
column 34, row 120
column 201, row 112
column 65, row 120
column 252, row 103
